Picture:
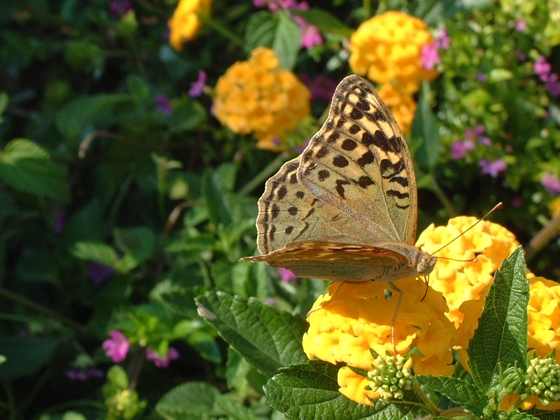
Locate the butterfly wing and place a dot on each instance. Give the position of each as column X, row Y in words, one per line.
column 336, row 261
column 359, row 163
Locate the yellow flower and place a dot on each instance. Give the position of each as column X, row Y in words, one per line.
column 257, row 96
column 465, row 284
column 554, row 207
column 358, row 316
column 401, row 104
column 185, row 22
column 387, row 48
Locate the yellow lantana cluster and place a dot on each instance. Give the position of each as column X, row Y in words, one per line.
column 257, row 96
column 359, row 316
column 387, row 49
column 185, row 22
column 466, row 284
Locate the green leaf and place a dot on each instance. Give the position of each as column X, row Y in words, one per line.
column 139, row 242
column 287, row 41
column 73, row 119
column 461, row 392
column 425, row 126
column 95, row 251
column 191, row 400
column 27, row 167
column 139, row 89
column 266, row 337
column 233, row 409
column 260, row 30
column 217, row 209
column 25, row 355
column 324, row 21
column 310, row 391
column 4, row 100
column 500, row 340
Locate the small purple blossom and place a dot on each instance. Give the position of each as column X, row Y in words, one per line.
column 162, row 362
column 492, row 168
column 442, row 41
column 59, row 221
column 542, row 68
column 520, row 25
column 98, row 273
column 270, row 301
column 429, row 56
column 310, row 35
column 477, row 134
column 275, row 5
column 521, row 55
column 163, row 104
column 119, row 8
column 286, row 275
column 552, row 183
column 553, row 84
column 197, row 86
column 320, row 87
column 481, row 77
column 83, row 374
column 460, row 148
column 117, row 346
column 517, row 202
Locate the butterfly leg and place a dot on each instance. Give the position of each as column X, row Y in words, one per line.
column 394, row 320
column 324, row 304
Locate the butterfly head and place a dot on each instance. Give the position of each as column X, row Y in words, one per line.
column 425, row 263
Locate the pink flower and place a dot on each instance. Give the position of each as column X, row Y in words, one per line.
column 198, row 85
column 520, row 25
column 552, row 183
column 442, row 41
column 163, row 104
column 553, row 85
column 542, row 68
column 162, row 362
column 517, row 202
column 310, row 35
column 429, row 56
column 492, row 168
column 286, row 275
column 481, row 77
column 274, row 5
column 477, row 134
column 117, row 346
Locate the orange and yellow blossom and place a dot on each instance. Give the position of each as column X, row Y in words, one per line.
column 357, row 316
column 387, row 49
column 185, row 23
column 401, row 104
column 466, row 284
column 259, row 97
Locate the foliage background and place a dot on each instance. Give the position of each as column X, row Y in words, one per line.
column 93, row 174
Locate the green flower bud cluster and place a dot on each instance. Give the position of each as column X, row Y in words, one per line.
column 390, row 377
column 543, row 379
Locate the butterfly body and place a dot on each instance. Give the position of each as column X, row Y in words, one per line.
column 346, row 208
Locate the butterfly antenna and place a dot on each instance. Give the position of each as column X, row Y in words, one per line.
column 496, row 207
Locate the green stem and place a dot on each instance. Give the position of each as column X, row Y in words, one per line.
column 442, row 197
column 123, row 190
column 428, row 404
column 542, row 238
column 223, row 31
column 45, row 311
column 136, row 367
column 265, row 173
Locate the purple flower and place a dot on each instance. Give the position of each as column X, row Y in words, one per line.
column 520, row 25
column 553, row 85
column 163, row 104
column 197, row 86
column 442, row 41
column 162, row 362
column 83, row 374
column 481, row 77
column 517, row 202
column 477, row 134
column 492, row 168
column 274, row 5
column 286, row 275
column 521, row 55
column 310, row 35
column 117, row 346
column 99, row 272
column 59, row 221
column 270, row 301
column 552, row 183
column 429, row 56
column 320, row 87
column 542, row 68
column 120, row 7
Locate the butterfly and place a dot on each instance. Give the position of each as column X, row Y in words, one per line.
column 346, row 208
